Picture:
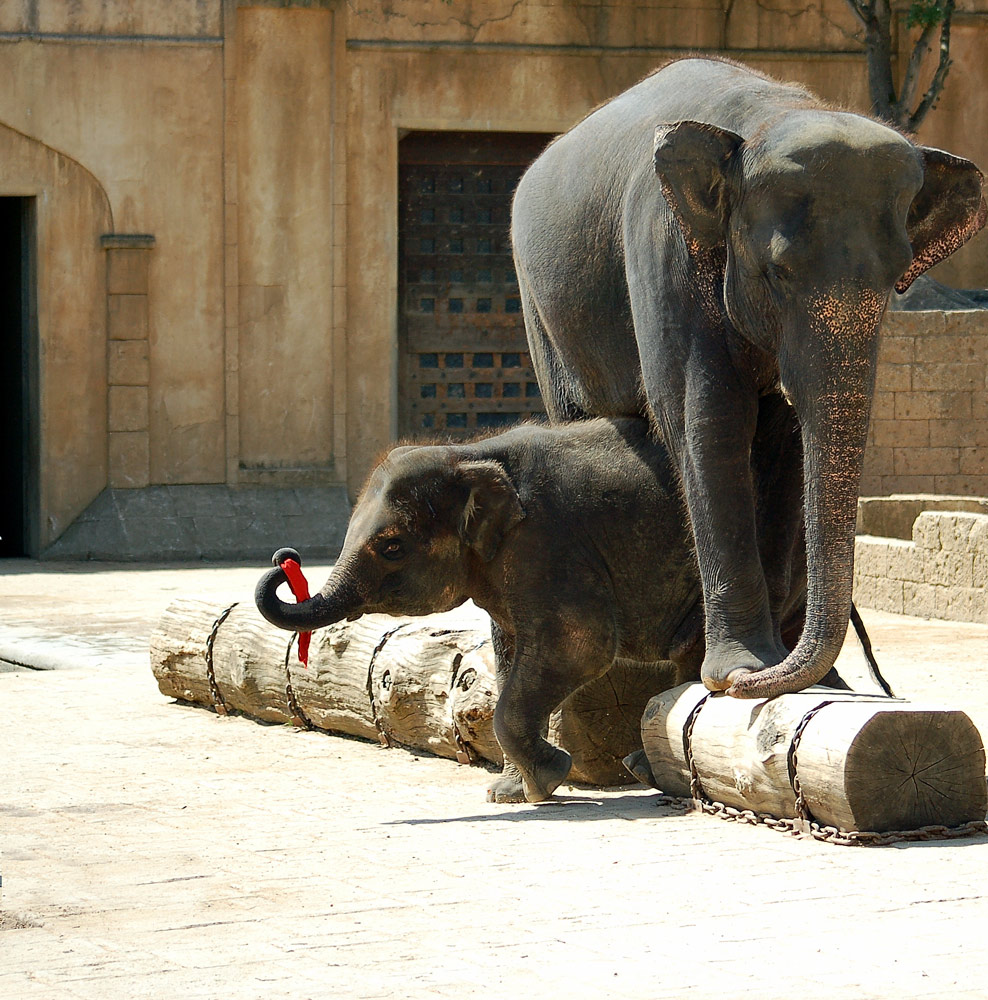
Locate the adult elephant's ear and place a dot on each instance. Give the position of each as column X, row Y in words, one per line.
column 949, row 209
column 491, row 507
column 693, row 161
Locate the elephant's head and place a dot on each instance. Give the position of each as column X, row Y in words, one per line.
column 811, row 223
column 426, row 524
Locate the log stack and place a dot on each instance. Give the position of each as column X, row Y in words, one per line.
column 425, row 683
column 862, row 763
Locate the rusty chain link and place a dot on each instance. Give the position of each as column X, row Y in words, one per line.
column 219, row 705
column 696, row 789
column 803, row 824
column 802, row 809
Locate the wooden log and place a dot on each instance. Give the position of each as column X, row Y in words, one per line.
column 427, row 683
column 863, row 762
column 600, row 724
column 395, row 679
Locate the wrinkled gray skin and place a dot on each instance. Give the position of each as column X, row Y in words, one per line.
column 553, row 531
column 716, row 250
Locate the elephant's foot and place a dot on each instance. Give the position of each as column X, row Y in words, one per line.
column 508, row 786
column 547, row 775
column 726, row 663
column 536, row 783
column 637, row 763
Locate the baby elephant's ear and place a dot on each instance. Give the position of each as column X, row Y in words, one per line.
column 949, row 209
column 491, row 508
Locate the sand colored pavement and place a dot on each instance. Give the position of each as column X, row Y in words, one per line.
column 155, row 850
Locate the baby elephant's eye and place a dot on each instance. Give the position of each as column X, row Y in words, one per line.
column 392, row 549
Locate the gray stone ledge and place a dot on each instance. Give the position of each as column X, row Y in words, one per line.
column 169, row 523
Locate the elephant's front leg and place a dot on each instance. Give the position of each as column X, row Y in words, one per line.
column 715, row 459
column 549, row 663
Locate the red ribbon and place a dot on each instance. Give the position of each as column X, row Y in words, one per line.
column 300, row 588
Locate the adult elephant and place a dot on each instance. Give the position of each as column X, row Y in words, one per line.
column 716, row 249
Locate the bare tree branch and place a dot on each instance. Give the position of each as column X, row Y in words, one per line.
column 939, row 80
column 879, row 22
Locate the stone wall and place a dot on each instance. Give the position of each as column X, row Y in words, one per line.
column 942, row 572
column 929, row 423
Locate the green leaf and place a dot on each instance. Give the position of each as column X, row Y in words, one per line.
column 924, row 14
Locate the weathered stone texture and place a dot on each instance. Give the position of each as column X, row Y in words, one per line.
column 941, row 573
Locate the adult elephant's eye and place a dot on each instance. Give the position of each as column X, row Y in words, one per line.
column 392, row 549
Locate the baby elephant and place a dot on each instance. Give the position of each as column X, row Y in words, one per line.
column 572, row 538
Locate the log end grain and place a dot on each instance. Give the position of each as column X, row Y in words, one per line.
column 914, row 768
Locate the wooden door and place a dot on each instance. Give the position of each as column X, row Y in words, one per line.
column 464, row 365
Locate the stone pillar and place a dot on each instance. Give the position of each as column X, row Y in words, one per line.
column 128, row 362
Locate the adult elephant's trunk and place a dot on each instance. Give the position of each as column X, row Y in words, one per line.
column 336, row 601
column 832, row 394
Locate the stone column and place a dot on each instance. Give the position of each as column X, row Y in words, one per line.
column 128, row 363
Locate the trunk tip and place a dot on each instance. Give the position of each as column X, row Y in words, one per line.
column 287, row 553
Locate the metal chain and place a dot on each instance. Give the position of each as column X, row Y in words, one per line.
column 219, row 705
column 803, row 824
column 802, row 809
column 696, row 789
column 382, row 734
column 299, row 718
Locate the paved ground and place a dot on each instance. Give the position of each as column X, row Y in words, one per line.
column 154, row 850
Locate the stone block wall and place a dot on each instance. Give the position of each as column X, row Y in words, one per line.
column 929, row 422
column 942, row 572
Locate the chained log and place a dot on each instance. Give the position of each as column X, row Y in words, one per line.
column 425, row 683
column 850, row 761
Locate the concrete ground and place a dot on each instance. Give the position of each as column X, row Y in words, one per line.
column 156, row 850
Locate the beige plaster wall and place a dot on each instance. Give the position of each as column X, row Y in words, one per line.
column 285, row 157
column 71, row 212
column 146, row 120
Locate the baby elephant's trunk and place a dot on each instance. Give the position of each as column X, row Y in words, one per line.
column 331, row 605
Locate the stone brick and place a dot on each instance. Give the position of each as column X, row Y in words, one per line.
column 925, row 461
column 919, row 599
column 961, row 604
column 893, row 378
column 908, row 484
column 913, row 324
column 933, row 406
column 958, row 433
column 128, row 362
column 871, row 485
column 905, row 562
column 966, row 348
column 972, row 486
column 950, row 569
column 973, row 461
column 896, row 350
column 130, row 462
column 127, row 271
column 979, row 574
column 956, row 531
column 128, row 317
column 955, row 377
column 871, row 556
column 901, row 433
column 128, row 408
column 883, row 406
column 877, row 462
column 926, row 532
column 879, row 595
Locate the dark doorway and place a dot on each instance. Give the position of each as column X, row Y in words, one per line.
column 463, row 358
column 17, row 378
